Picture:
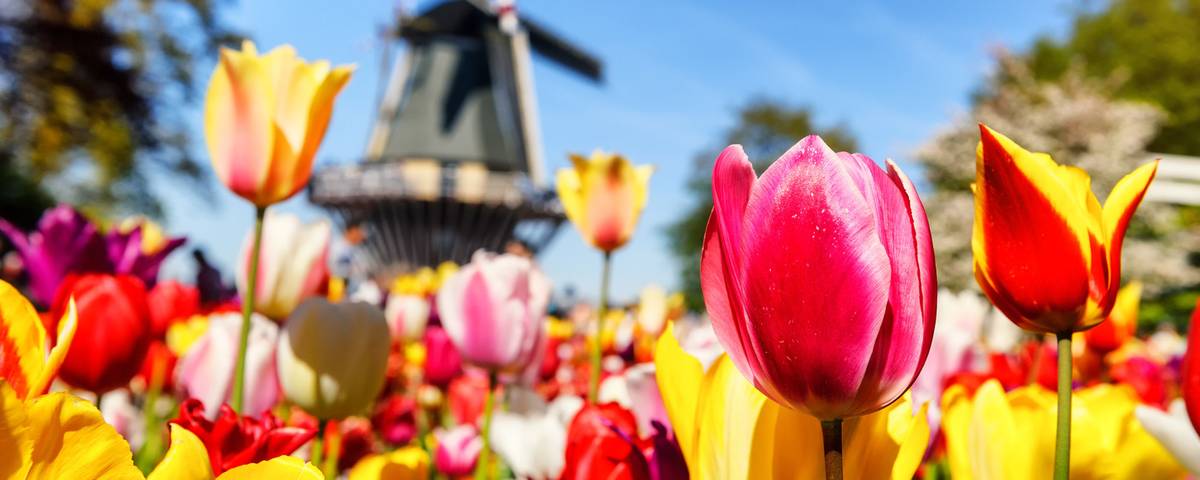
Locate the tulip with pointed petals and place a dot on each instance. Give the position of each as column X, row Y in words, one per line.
column 65, row 241
column 603, row 197
column 1046, row 253
column 232, row 440
column 265, row 117
column 819, row 277
column 138, row 247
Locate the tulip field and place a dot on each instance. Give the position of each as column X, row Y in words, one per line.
column 825, row 348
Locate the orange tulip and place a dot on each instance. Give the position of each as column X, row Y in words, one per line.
column 265, row 117
column 1046, row 253
column 604, row 196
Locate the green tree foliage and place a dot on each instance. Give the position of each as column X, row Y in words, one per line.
column 765, row 128
column 1153, row 43
column 89, row 95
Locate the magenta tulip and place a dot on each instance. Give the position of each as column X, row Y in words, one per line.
column 819, row 278
column 457, row 450
column 493, row 309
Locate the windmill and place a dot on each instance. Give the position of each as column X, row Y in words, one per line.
column 454, row 161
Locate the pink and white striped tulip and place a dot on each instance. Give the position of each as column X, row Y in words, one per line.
column 458, row 449
column 819, row 278
column 493, row 310
column 292, row 265
column 407, row 316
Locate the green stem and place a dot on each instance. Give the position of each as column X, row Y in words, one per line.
column 239, row 372
column 831, row 439
column 601, row 312
column 1062, row 444
column 335, row 450
column 317, row 452
column 482, row 464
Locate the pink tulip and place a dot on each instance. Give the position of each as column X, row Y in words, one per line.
column 442, row 361
column 493, row 309
column 819, row 278
column 407, row 316
column 206, row 370
column 457, row 450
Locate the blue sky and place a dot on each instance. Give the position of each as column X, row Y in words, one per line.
column 894, row 72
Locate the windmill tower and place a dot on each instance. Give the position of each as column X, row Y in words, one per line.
column 454, row 161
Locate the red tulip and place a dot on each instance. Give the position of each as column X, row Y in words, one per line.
column 466, row 395
column 819, row 278
column 1190, row 381
column 357, row 440
column 170, row 302
column 232, row 440
column 395, row 419
column 113, row 333
column 602, row 443
column 159, row 361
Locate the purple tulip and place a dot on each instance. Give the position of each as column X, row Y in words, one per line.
column 65, row 241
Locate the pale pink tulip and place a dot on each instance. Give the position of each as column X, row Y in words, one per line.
column 407, row 316
column 206, row 370
column 292, row 264
column 493, row 309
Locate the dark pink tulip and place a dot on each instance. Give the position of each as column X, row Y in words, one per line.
column 819, row 278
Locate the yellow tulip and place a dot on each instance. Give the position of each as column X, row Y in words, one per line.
column 604, row 196
column 408, row 463
column 182, row 335
column 187, row 459
column 265, row 117
column 998, row 435
column 1046, row 253
column 153, row 238
column 728, row 430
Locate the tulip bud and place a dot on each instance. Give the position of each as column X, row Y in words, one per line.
column 113, row 331
column 603, row 197
column 442, row 360
column 332, row 358
column 265, row 117
column 1121, row 324
column 457, row 450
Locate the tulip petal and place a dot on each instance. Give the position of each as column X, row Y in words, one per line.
column 810, row 229
column 721, row 263
column 285, row 467
column 71, row 440
column 66, row 335
column 238, row 122
column 186, row 459
column 1028, row 221
column 569, row 185
column 23, row 342
column 1118, row 209
column 15, row 435
column 1174, row 432
column 405, row 463
column 679, row 377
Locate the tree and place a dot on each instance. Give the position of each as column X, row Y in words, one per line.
column 765, row 128
column 1153, row 43
column 89, row 92
column 1078, row 122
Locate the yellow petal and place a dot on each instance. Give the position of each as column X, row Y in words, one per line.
column 284, row 467
column 71, row 440
column 730, row 411
column 570, row 192
column 408, row 463
column 1118, row 209
column 956, row 422
column 66, row 335
column 679, row 377
column 889, row 443
column 23, row 342
column 15, row 436
column 187, row 459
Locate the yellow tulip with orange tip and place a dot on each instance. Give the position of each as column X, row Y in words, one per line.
column 1121, row 324
column 1047, row 254
column 998, row 435
column 603, row 196
column 265, row 117
column 728, row 430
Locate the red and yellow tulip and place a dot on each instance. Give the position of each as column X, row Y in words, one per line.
column 1121, row 325
column 1046, row 253
column 265, row 117
column 603, row 196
